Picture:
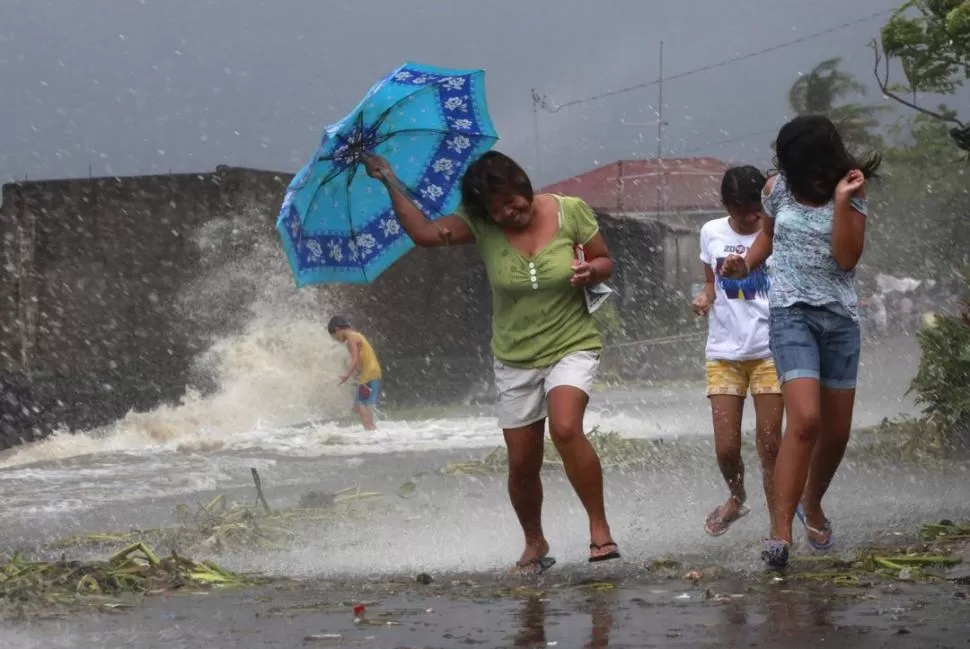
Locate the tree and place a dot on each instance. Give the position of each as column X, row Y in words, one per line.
column 931, row 39
column 819, row 93
column 920, row 204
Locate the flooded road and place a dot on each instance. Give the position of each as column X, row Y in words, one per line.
column 460, row 528
column 128, row 472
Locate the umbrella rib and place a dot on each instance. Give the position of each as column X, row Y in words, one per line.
column 366, row 139
column 387, row 136
column 404, row 99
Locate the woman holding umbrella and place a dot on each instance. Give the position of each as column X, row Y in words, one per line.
column 545, row 343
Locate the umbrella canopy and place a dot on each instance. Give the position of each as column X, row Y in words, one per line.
column 337, row 224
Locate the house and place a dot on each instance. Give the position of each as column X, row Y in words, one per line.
column 679, row 193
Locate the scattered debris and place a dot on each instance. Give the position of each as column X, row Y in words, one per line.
column 666, row 563
column 222, row 525
column 322, row 636
column 924, row 563
column 407, row 489
column 134, row 570
column 945, row 530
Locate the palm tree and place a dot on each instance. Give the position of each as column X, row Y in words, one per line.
column 819, row 93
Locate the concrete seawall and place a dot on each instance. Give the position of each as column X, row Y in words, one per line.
column 93, row 270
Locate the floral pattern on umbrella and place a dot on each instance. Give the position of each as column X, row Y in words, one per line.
column 336, row 223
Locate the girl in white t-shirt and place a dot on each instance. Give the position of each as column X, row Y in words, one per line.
column 738, row 354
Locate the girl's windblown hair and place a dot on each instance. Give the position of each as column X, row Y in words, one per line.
column 813, row 157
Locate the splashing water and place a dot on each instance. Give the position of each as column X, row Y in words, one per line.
column 274, row 368
column 281, row 369
column 273, row 374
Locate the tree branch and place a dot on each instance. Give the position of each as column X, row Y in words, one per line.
column 883, row 82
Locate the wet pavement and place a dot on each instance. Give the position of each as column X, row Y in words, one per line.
column 533, row 613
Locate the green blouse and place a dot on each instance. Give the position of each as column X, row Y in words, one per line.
column 538, row 317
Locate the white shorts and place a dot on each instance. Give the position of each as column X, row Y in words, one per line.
column 522, row 392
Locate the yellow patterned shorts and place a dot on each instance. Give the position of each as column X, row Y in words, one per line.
column 736, row 377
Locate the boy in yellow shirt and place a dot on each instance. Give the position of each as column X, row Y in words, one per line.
column 363, row 361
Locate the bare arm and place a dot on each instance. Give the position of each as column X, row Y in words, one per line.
column 738, row 267
column 447, row 230
column 353, row 346
column 848, row 223
column 597, row 266
column 709, row 284
column 599, row 260
column 763, row 244
column 702, row 302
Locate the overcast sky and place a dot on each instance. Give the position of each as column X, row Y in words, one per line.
column 148, row 86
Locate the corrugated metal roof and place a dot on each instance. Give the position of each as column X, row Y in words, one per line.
column 668, row 185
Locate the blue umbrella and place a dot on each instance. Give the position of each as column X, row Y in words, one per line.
column 337, row 224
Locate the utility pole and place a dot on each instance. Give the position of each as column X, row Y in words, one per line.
column 662, row 181
column 660, row 105
column 662, row 185
column 536, row 101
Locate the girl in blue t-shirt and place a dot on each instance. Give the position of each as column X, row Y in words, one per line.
column 816, row 208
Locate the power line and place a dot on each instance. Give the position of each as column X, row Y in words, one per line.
column 730, row 140
column 555, row 108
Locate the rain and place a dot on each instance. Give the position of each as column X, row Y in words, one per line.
column 192, row 191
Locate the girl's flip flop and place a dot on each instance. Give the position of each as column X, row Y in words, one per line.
column 826, row 529
column 775, row 553
column 716, row 525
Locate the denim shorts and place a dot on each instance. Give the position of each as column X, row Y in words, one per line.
column 810, row 342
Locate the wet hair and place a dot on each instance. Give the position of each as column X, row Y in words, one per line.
column 741, row 186
column 337, row 323
column 813, row 157
column 493, row 174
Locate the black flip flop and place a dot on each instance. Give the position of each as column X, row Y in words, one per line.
column 615, row 554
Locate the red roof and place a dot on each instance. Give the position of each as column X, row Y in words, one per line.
column 690, row 184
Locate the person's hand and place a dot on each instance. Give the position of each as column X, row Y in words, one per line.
column 734, row 267
column 377, row 167
column 582, row 273
column 701, row 305
column 343, row 379
column 850, row 184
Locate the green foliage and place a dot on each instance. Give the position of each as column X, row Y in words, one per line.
column 942, row 384
column 931, row 38
column 919, row 206
column 821, row 91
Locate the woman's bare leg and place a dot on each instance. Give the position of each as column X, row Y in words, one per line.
column 525, row 486
column 567, row 407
